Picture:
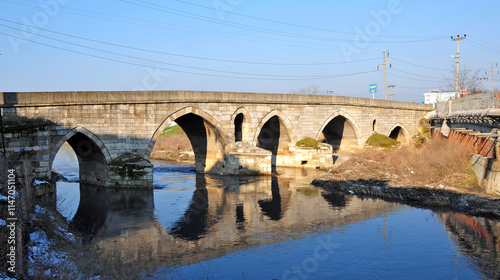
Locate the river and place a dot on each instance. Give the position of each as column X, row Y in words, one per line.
column 194, row 226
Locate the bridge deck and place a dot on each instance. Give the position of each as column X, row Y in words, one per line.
column 23, row 99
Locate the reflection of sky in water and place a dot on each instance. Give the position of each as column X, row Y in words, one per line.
column 416, row 246
column 174, row 187
column 68, row 197
column 66, row 163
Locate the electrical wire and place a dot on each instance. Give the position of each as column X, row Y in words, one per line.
column 217, row 33
column 480, row 46
column 197, row 57
column 278, row 77
column 484, row 42
column 298, row 25
column 178, row 12
column 413, row 74
column 414, row 64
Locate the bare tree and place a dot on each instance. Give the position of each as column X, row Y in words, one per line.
column 468, row 79
column 311, row 90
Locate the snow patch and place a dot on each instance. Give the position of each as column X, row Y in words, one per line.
column 2, row 223
column 39, row 209
column 39, row 182
column 3, row 198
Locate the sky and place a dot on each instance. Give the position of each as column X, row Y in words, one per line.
column 245, row 46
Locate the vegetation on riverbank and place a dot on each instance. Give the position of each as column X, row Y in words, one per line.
column 434, row 174
column 173, row 144
column 435, row 164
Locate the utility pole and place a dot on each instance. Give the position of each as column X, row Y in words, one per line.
column 458, row 55
column 392, row 90
column 483, row 78
column 385, row 75
column 492, row 70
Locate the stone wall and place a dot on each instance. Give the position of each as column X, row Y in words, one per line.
column 488, row 173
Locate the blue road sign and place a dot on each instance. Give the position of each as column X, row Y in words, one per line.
column 373, row 88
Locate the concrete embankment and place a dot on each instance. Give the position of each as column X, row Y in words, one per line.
column 468, row 203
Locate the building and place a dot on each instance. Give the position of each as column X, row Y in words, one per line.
column 438, row 95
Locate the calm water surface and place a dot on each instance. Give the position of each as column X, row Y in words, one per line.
column 199, row 226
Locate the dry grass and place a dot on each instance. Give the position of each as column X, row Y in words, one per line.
column 171, row 147
column 433, row 164
column 173, row 143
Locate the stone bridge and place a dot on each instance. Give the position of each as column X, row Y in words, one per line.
column 113, row 133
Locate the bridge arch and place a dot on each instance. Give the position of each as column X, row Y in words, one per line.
column 275, row 135
column 204, row 132
column 340, row 130
column 284, row 126
column 399, row 133
column 240, row 122
column 93, row 156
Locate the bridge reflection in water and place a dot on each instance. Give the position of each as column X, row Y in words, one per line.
column 225, row 214
column 228, row 214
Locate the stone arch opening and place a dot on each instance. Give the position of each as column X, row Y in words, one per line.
column 275, row 137
column 374, row 125
column 92, row 161
column 203, row 133
column 340, row 133
column 398, row 134
column 240, row 121
column 238, row 127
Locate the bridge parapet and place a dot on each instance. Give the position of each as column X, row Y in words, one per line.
column 9, row 99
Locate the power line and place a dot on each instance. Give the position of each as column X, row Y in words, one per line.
column 216, row 32
column 485, row 48
column 156, row 61
column 205, row 58
column 414, row 64
column 413, row 74
column 178, row 12
column 298, row 25
column 413, row 78
column 264, row 76
column 484, row 42
column 195, row 57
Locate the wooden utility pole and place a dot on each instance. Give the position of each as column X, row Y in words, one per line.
column 392, row 91
column 385, row 75
column 492, row 70
column 458, row 55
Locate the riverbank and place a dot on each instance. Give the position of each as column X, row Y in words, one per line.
column 416, row 196
column 173, row 145
column 435, row 174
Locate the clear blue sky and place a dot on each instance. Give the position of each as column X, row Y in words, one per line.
column 241, row 45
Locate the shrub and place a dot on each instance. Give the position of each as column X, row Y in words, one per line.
column 308, row 142
column 380, row 140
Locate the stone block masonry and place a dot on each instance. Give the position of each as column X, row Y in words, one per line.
column 103, row 127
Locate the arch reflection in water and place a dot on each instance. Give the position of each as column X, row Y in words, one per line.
column 104, row 212
column 224, row 215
